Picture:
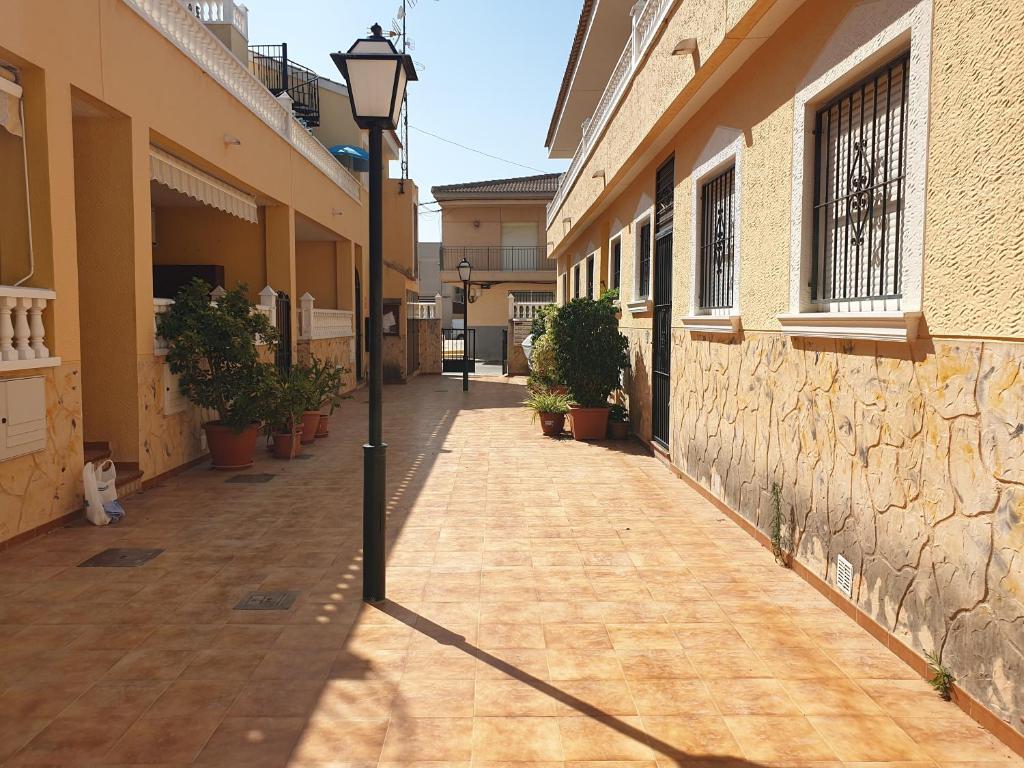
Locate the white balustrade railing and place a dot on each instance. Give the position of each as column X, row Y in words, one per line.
column 181, row 26
column 323, row 323
column 267, row 306
column 647, row 18
column 160, row 308
column 221, row 12
column 524, row 310
column 22, row 334
column 427, row 310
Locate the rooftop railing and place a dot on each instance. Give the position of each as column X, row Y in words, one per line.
column 497, row 258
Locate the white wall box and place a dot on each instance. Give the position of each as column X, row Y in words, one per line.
column 22, row 416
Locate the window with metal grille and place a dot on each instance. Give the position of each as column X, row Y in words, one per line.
column 860, row 167
column 534, row 297
column 718, row 240
column 576, row 281
column 616, row 264
column 644, row 257
column 590, row 277
column 565, row 287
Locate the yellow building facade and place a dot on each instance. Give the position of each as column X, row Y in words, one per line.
column 804, row 208
column 137, row 148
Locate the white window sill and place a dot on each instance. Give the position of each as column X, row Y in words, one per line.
column 639, row 306
column 869, row 326
column 726, row 324
column 28, row 365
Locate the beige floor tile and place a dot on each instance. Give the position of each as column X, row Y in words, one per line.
column 776, row 738
column 509, row 697
column 428, row 738
column 867, row 739
column 751, row 696
column 163, row 740
column 576, row 636
column 831, row 696
column 222, row 665
column 31, row 699
column 572, row 664
column 518, row 635
column 594, row 697
column 417, row 697
column 954, row 739
column 628, row 637
column 72, row 740
column 679, row 740
column 516, row 739
column 254, row 742
column 195, row 698
column 610, row 738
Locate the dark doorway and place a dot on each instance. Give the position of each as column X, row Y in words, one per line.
column 452, row 341
column 662, row 357
column 359, row 328
column 283, row 310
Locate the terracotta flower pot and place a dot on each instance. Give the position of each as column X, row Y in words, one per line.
column 589, row 423
column 619, row 430
column 323, row 427
column 287, row 446
column 552, row 424
column 310, row 423
column 230, row 450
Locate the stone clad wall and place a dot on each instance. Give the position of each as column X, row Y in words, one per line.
column 167, row 441
column 341, row 350
column 429, row 339
column 906, row 459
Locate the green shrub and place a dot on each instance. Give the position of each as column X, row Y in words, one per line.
column 327, row 377
column 548, row 402
column 285, row 395
column 212, row 348
column 590, row 353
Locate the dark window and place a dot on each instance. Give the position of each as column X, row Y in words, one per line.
column 576, row 281
column 590, row 277
column 644, row 255
column 616, row 264
column 717, row 241
column 565, row 287
column 860, row 165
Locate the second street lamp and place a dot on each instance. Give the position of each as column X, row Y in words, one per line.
column 465, row 272
column 376, row 74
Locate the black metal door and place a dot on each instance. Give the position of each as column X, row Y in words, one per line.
column 412, row 346
column 359, row 328
column 453, row 341
column 662, row 353
column 283, row 359
column 504, row 352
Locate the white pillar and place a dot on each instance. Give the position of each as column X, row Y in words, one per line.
column 217, row 293
column 7, row 351
column 438, row 306
column 511, row 307
column 36, row 330
column 306, row 303
column 21, row 332
column 268, row 298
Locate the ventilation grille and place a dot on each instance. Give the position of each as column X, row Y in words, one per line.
column 844, row 576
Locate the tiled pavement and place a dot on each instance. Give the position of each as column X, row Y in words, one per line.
column 552, row 604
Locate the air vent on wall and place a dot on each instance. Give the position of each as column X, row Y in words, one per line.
column 844, row 576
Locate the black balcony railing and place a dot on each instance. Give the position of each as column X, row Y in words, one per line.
column 497, row 258
column 270, row 63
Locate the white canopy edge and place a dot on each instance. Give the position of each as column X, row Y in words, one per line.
column 184, row 177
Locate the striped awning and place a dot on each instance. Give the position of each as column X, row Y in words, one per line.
column 184, row 177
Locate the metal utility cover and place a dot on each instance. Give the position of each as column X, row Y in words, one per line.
column 120, row 558
column 267, row 601
column 259, row 477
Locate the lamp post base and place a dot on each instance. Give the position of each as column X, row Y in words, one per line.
column 375, row 471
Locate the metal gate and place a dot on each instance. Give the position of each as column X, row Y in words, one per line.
column 412, row 346
column 453, row 341
column 662, row 362
column 283, row 358
column 504, row 352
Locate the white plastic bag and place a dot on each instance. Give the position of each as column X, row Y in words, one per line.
column 93, row 498
column 106, row 479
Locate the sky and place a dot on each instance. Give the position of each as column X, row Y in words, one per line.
column 489, row 74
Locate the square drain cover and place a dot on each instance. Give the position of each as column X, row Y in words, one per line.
column 267, row 601
column 259, row 477
column 120, row 558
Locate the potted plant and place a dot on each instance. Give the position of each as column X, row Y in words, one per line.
column 544, row 375
column 285, row 396
column 551, row 408
column 618, row 422
column 328, row 377
column 212, row 349
column 590, row 354
column 306, row 381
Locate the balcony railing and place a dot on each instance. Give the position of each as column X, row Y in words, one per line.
column 270, row 63
column 323, row 323
column 185, row 30
column 22, row 334
column 497, row 258
column 426, row 310
column 648, row 16
column 221, row 12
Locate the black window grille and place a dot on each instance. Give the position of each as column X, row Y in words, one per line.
column 565, row 287
column 644, row 255
column 718, row 241
column 590, row 277
column 576, row 281
column 534, row 297
column 860, row 167
column 617, row 264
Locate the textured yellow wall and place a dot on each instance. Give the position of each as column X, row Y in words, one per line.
column 14, row 241
column 459, row 222
column 316, row 272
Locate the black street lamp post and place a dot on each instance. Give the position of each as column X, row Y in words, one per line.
column 465, row 272
column 376, row 74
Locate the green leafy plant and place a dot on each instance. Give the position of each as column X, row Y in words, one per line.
column 327, row 377
column 942, row 679
column 590, row 352
column 775, row 525
column 612, row 294
column 285, row 395
column 618, row 414
column 212, row 348
column 547, row 402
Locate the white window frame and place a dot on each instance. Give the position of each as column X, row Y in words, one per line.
column 724, row 150
column 849, row 56
column 642, row 302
